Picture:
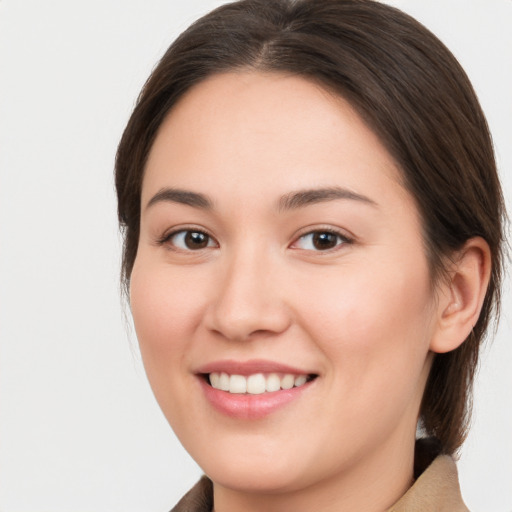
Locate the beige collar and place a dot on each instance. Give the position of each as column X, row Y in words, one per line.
column 435, row 490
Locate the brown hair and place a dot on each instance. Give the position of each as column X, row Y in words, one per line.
column 410, row 90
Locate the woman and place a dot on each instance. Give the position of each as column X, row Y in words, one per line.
column 312, row 223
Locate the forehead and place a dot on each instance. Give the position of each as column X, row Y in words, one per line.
column 248, row 129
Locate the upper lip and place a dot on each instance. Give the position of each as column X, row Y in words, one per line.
column 251, row 367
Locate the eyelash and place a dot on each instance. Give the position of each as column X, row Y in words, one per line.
column 167, row 237
column 342, row 239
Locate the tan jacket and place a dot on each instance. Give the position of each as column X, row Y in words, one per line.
column 435, row 490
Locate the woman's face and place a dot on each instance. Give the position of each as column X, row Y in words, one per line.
column 278, row 248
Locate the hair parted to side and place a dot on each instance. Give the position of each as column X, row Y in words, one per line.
column 407, row 87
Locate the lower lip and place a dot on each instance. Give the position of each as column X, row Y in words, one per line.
column 251, row 407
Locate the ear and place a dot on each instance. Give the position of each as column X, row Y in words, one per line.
column 461, row 295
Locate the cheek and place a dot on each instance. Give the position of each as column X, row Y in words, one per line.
column 372, row 331
column 369, row 299
column 373, row 326
column 165, row 312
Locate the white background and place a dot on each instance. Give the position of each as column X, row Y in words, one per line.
column 79, row 428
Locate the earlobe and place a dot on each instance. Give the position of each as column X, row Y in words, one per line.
column 462, row 295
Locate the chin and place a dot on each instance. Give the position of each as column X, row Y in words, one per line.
column 257, row 477
column 266, row 470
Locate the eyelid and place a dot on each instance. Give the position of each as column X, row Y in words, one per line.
column 167, row 236
column 345, row 237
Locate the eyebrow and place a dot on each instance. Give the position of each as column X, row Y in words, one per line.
column 307, row 197
column 290, row 201
column 175, row 195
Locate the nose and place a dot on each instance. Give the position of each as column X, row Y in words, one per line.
column 249, row 299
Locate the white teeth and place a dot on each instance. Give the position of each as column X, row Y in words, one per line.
column 215, row 380
column 237, row 384
column 288, row 381
column 300, row 380
column 273, row 383
column 255, row 384
column 224, row 382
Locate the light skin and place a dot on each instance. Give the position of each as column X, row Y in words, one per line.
column 308, row 252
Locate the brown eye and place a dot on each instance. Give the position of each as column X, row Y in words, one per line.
column 196, row 240
column 190, row 240
column 320, row 241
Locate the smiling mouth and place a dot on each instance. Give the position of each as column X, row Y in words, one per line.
column 256, row 384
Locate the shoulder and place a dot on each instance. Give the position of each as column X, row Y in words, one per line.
column 198, row 499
